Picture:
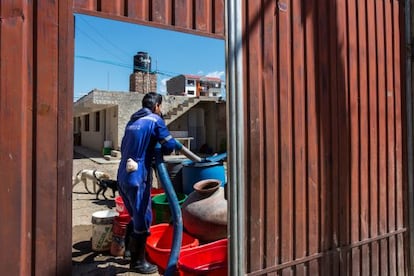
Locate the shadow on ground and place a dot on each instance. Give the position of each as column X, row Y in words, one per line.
column 87, row 262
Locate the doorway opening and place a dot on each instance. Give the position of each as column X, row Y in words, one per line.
column 116, row 63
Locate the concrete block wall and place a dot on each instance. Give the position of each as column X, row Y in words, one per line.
column 129, row 103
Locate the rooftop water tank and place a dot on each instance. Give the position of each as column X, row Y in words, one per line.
column 142, row 62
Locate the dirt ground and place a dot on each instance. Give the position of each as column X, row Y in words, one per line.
column 84, row 260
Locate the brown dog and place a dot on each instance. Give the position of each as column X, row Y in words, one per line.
column 93, row 175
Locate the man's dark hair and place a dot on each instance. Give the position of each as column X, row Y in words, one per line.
column 151, row 99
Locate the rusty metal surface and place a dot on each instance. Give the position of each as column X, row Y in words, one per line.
column 323, row 96
column 203, row 17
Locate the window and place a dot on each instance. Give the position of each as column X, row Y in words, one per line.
column 190, row 92
column 87, row 122
column 97, row 121
column 190, row 82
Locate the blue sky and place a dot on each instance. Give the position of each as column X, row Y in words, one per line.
column 104, row 51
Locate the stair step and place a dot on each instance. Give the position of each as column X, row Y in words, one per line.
column 179, row 109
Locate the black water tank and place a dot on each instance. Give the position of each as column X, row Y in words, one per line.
column 142, row 62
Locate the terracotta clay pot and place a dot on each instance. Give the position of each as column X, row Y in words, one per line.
column 205, row 211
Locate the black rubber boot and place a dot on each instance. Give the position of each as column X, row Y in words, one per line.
column 139, row 263
column 129, row 229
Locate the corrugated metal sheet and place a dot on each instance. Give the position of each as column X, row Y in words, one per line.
column 36, row 84
column 36, row 112
column 16, row 116
column 203, row 17
column 323, row 101
column 323, row 112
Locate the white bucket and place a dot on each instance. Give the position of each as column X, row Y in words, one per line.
column 102, row 229
column 108, row 144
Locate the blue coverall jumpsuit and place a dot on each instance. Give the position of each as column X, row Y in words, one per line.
column 142, row 133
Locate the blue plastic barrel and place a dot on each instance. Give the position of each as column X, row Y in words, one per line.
column 197, row 171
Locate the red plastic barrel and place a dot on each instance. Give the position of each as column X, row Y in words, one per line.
column 119, row 206
column 119, row 224
column 118, row 234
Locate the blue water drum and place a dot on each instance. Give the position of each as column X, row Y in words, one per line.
column 192, row 172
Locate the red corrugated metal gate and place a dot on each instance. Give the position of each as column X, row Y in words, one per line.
column 324, row 103
column 324, row 161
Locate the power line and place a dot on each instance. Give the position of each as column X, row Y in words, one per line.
column 97, row 44
column 159, row 72
column 105, row 61
column 126, row 54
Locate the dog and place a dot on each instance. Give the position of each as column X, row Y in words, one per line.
column 94, row 175
column 104, row 184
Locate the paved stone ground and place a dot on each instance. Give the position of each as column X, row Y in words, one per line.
column 84, row 260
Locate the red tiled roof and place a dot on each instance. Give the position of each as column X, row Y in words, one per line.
column 192, row 76
column 197, row 77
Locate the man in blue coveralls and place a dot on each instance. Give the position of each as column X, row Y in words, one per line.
column 144, row 129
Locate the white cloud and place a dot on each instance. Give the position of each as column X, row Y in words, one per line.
column 162, row 89
column 217, row 74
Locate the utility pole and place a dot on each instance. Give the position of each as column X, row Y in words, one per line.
column 148, row 78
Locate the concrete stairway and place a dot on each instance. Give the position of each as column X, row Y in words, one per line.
column 179, row 109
